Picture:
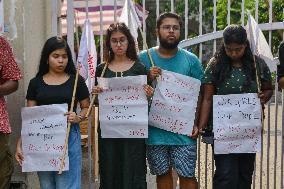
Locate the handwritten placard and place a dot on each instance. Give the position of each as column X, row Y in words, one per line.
column 236, row 123
column 43, row 136
column 123, row 107
column 174, row 103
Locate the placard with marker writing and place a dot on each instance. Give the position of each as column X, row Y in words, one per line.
column 123, row 107
column 43, row 137
column 237, row 123
column 174, row 103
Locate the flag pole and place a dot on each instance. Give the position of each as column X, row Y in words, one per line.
column 72, row 105
column 254, row 60
column 142, row 34
column 87, row 9
column 258, row 83
column 147, row 49
column 89, row 120
column 62, row 163
column 95, row 95
column 77, row 32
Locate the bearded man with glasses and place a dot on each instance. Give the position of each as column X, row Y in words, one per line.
column 167, row 150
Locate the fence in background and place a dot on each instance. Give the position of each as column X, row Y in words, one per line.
column 269, row 163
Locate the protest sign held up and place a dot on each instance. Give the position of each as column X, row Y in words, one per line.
column 43, row 135
column 236, row 123
column 123, row 110
column 174, row 103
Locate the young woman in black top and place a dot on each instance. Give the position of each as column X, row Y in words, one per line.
column 53, row 84
column 122, row 161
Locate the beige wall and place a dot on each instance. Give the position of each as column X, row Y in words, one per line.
column 29, row 25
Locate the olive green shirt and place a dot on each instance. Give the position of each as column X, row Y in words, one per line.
column 235, row 83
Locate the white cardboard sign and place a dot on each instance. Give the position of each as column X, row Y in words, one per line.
column 174, row 103
column 123, row 107
column 43, row 137
column 237, row 123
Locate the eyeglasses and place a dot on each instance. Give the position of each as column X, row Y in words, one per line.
column 121, row 42
column 170, row 27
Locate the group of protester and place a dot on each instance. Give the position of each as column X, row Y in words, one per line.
column 122, row 162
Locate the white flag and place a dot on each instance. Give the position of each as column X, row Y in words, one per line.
column 258, row 43
column 87, row 57
column 1, row 17
column 130, row 18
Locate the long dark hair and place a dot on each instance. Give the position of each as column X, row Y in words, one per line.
column 222, row 64
column 51, row 45
column 131, row 49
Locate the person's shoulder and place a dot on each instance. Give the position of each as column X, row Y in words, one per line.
column 138, row 68
column 4, row 42
column 261, row 61
column 258, row 59
column 189, row 55
column 72, row 77
column 35, row 80
column 101, row 66
column 144, row 52
column 3, row 39
column 139, row 64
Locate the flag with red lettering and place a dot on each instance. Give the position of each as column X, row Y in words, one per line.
column 87, row 56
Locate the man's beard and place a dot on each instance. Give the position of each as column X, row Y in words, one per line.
column 165, row 44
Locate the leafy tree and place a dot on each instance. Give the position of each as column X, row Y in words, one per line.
column 207, row 16
column 263, row 16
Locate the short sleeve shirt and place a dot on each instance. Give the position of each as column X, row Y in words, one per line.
column 235, row 83
column 184, row 63
column 9, row 70
column 45, row 94
column 136, row 69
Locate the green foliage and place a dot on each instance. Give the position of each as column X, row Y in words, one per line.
column 235, row 14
